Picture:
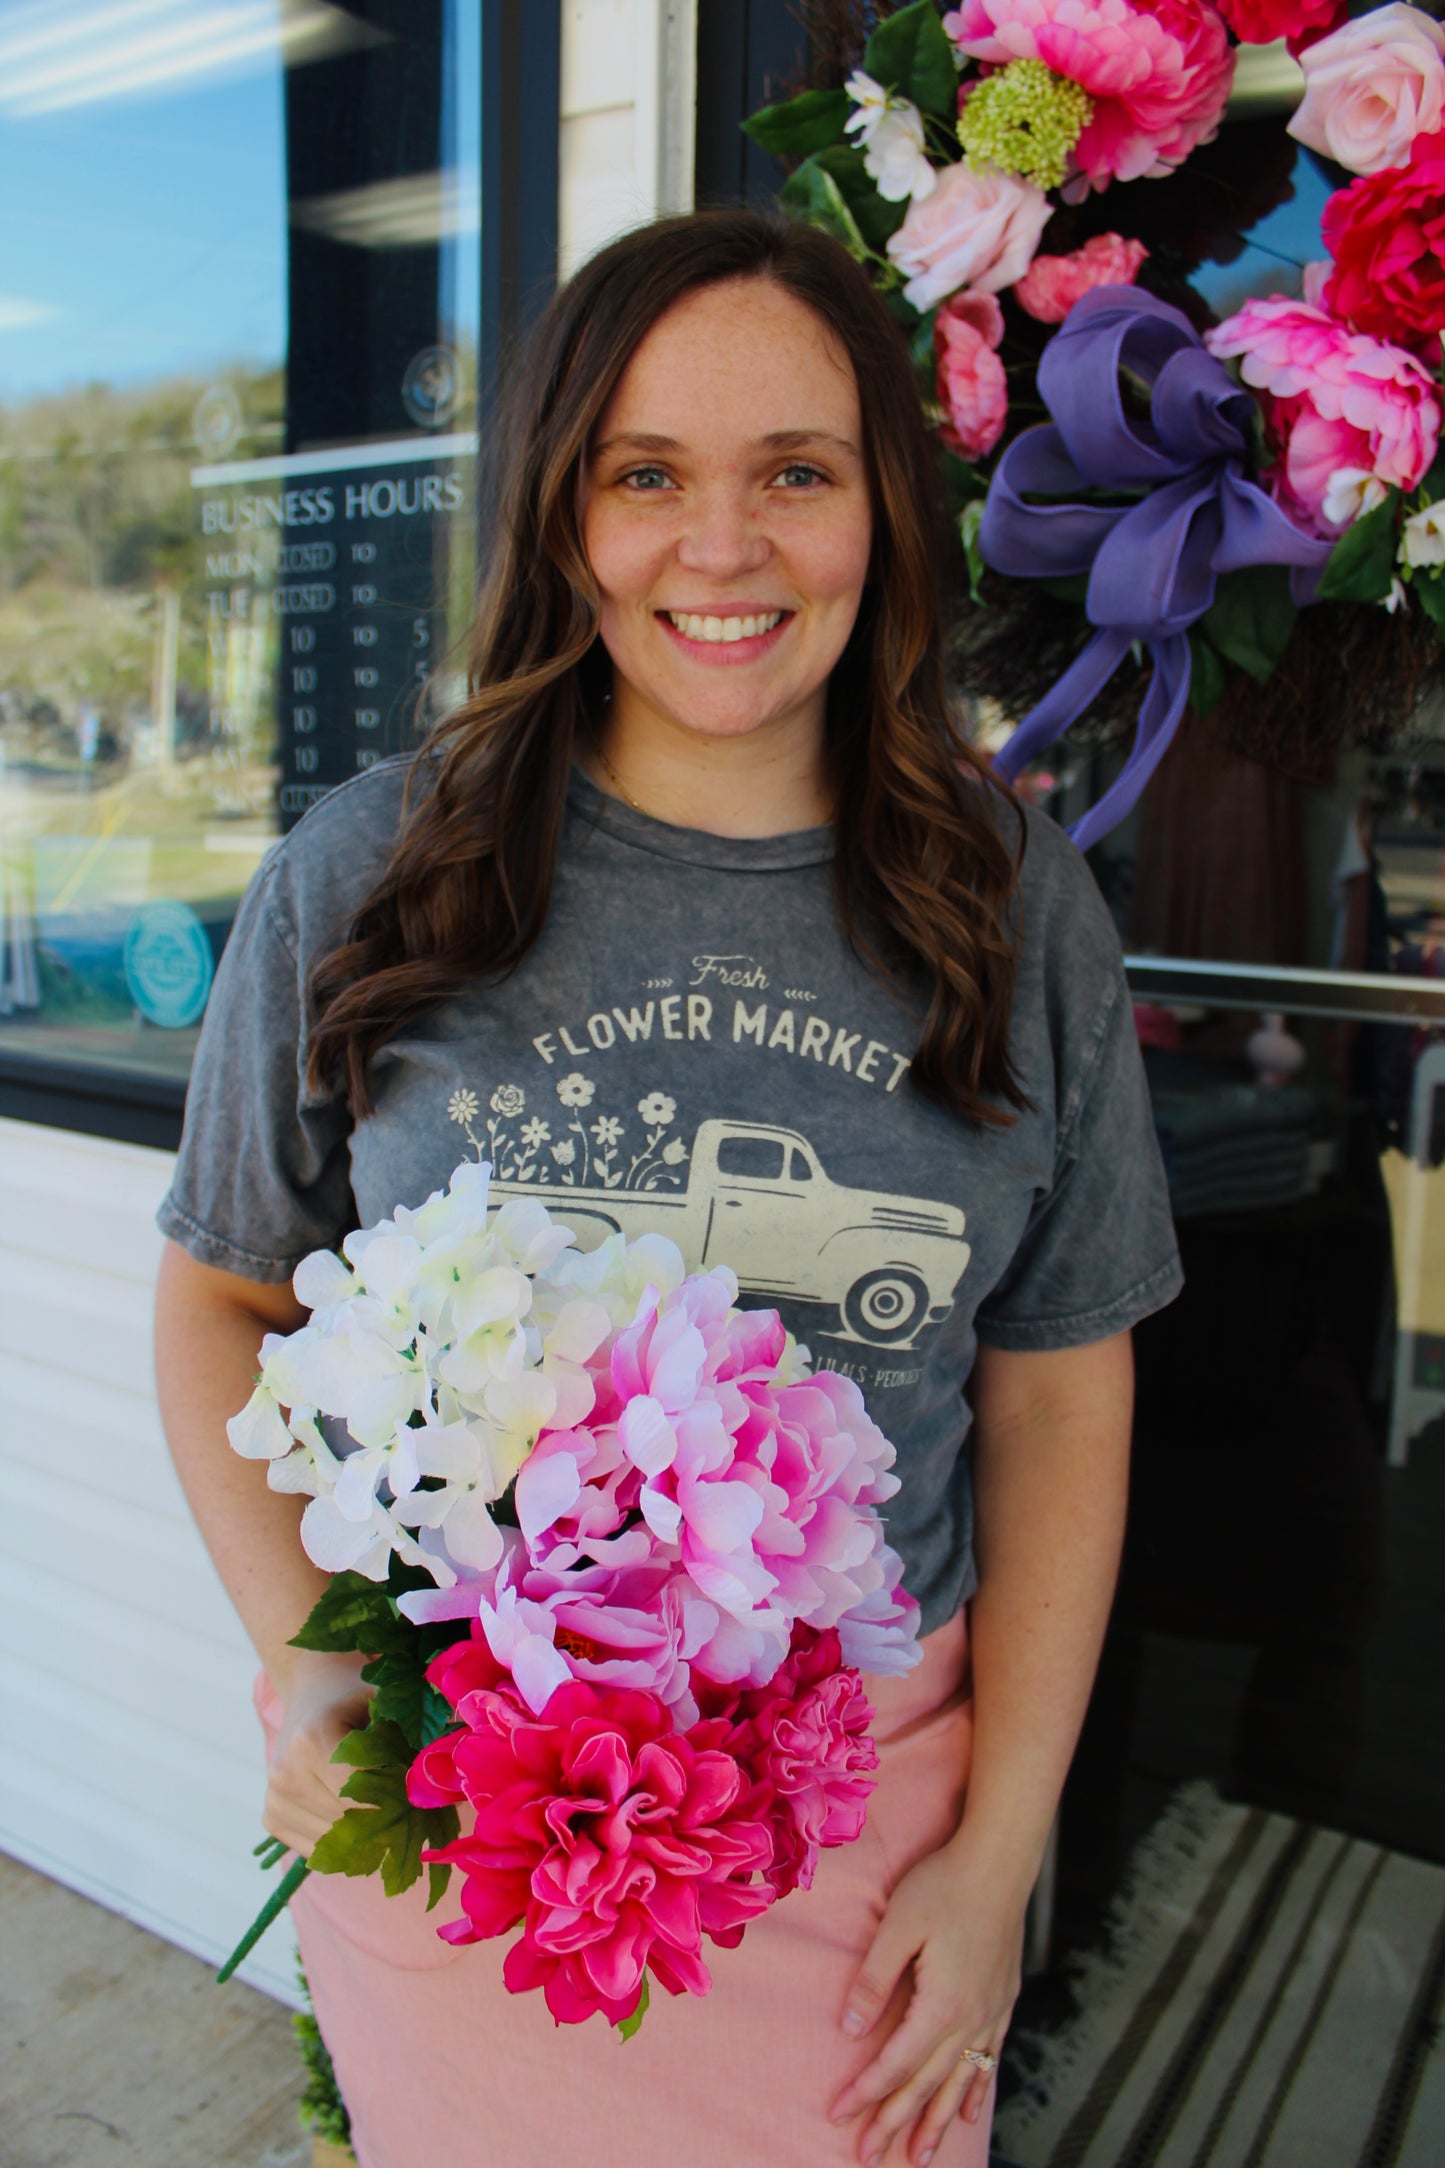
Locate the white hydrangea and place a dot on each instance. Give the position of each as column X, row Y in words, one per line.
column 440, row 1343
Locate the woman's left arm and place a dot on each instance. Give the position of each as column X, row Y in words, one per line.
column 1051, row 1457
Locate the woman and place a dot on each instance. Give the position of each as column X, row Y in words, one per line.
column 700, row 898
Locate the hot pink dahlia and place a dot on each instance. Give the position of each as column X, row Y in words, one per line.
column 615, row 1840
column 1158, row 71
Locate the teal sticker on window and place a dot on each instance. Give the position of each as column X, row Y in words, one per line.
column 168, row 964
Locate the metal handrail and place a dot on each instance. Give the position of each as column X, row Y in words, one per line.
column 1360, row 996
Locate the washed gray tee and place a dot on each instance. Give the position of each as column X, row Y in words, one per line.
column 693, row 1047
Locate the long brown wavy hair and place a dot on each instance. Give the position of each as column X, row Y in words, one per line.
column 925, row 880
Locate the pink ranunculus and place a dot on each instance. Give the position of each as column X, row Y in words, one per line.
column 1052, row 284
column 1158, row 71
column 615, row 1840
column 1371, row 87
column 976, row 231
column 972, row 387
column 1334, row 400
column 1386, row 233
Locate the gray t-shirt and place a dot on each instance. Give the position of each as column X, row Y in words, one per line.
column 692, row 1046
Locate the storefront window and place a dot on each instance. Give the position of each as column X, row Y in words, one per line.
column 239, row 330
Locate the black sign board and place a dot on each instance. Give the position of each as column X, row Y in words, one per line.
column 329, row 571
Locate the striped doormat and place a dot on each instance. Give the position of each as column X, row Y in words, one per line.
column 1271, row 1997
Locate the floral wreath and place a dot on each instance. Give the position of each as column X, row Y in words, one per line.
column 1190, row 513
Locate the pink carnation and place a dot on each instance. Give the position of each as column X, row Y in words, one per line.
column 1159, row 71
column 1052, row 284
column 1336, row 402
column 972, row 386
column 805, row 1737
column 616, row 1841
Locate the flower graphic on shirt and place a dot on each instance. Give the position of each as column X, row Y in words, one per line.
column 576, row 1090
column 463, row 1108
column 674, row 1152
column 507, row 1099
column 607, row 1129
column 535, row 1133
column 565, row 1152
column 657, row 1109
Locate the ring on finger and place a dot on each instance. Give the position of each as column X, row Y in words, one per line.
column 981, row 2059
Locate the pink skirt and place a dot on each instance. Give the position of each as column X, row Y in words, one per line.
column 441, row 2068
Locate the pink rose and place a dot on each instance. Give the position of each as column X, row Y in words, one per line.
column 1338, row 404
column 971, row 382
column 1158, row 71
column 1052, row 284
column 976, row 230
column 1372, row 87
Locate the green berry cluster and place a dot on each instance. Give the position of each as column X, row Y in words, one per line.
column 1025, row 120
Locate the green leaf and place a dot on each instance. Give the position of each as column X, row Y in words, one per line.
column 383, row 1833
column 350, row 1613
column 1362, row 563
column 811, row 193
column 969, row 522
column 850, row 208
column 1430, row 588
column 1070, row 587
column 627, row 2026
column 1251, row 618
column 962, row 483
column 1208, row 679
column 804, row 124
column 909, row 53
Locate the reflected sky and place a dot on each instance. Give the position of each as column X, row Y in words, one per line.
column 145, row 235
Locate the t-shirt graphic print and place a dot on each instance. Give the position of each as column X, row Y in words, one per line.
column 692, row 1048
column 871, row 1267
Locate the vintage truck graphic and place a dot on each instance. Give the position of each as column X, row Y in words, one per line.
column 758, row 1199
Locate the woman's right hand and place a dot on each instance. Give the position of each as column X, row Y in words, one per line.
column 324, row 1698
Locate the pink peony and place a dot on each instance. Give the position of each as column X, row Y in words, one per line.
column 1052, row 284
column 976, row 231
column 1372, row 87
column 616, row 1841
column 1336, row 403
column 1158, row 71
column 972, row 386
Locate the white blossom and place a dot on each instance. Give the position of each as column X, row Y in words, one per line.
column 1350, row 493
column 1422, row 539
column 890, row 132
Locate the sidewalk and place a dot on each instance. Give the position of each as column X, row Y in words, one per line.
column 118, row 2051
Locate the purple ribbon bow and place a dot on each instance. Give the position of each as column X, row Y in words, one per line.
column 1153, row 563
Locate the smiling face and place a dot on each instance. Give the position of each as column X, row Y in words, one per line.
column 726, row 519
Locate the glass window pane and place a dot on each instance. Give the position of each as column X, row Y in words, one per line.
column 238, row 352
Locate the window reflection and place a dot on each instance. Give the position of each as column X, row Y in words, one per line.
column 238, row 333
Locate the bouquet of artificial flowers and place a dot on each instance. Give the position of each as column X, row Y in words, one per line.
column 615, row 1554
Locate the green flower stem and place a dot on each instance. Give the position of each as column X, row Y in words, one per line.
column 279, row 1898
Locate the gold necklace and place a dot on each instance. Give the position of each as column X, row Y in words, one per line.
column 623, row 791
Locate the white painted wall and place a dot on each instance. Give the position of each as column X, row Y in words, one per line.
column 130, row 1757
column 629, row 100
